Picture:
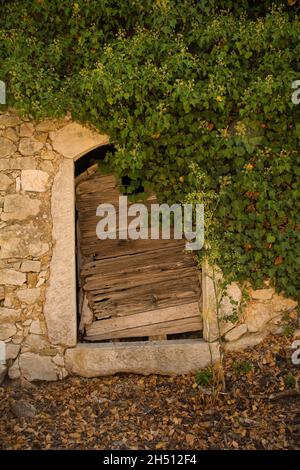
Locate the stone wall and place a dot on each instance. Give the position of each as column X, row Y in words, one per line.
column 31, row 155
column 258, row 312
column 37, row 268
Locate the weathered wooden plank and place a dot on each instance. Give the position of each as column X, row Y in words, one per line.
column 96, row 182
column 154, row 322
column 138, row 264
column 184, row 325
column 143, row 298
column 112, row 282
column 103, row 249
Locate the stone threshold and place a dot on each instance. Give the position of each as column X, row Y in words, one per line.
column 173, row 357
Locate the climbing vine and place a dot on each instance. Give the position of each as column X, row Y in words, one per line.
column 179, row 85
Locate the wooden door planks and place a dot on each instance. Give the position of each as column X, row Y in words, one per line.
column 170, row 320
column 134, row 288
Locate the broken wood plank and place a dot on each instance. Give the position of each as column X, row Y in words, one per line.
column 146, row 297
column 143, row 319
column 181, row 325
column 112, row 282
column 148, row 260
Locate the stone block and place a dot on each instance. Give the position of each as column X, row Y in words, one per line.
column 5, row 182
column 60, row 304
column 22, row 163
column 46, row 125
column 22, row 241
column 19, row 207
column 35, row 367
column 29, row 146
column 246, row 341
column 34, row 180
column 214, row 327
column 36, row 328
column 261, row 294
column 74, row 140
column 12, row 277
column 29, row 296
column 12, row 350
column 172, row 357
column 7, row 330
column 29, row 266
column 7, row 147
column 9, row 314
column 14, row 371
column 9, row 120
column 26, row 129
column 236, row 333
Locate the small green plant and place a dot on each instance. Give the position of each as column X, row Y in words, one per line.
column 204, row 377
column 290, row 381
column 242, row 367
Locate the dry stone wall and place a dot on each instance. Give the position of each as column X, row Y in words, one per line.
column 28, row 164
column 245, row 316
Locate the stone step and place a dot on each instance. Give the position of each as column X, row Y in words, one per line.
column 173, row 357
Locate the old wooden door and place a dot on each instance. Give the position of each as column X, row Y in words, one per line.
column 130, row 288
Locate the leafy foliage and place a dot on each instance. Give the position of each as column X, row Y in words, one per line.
column 242, row 367
column 177, row 84
column 204, row 377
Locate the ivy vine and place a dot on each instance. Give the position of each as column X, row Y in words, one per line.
column 181, row 87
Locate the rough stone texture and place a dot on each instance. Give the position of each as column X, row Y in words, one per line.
column 35, row 343
column 34, row 180
column 257, row 315
column 12, row 350
column 74, row 140
column 23, row 409
column 261, row 294
column 9, row 120
column 36, row 328
column 11, row 134
column 14, row 371
column 7, row 330
column 29, row 296
column 246, row 341
column 282, row 304
column 22, row 241
column 12, row 277
column 60, row 305
column 31, row 266
column 46, row 126
column 20, row 206
column 29, row 146
column 7, row 147
column 9, row 314
column 26, row 129
column 23, row 163
column 141, row 357
column 236, row 333
column 35, row 367
column 5, row 182
column 48, row 154
column 214, row 327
